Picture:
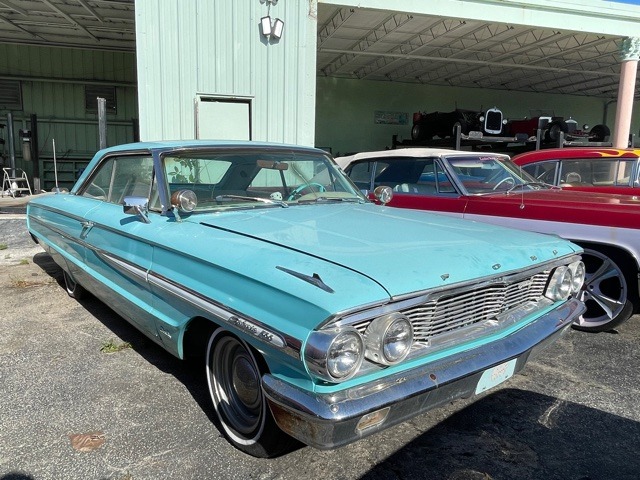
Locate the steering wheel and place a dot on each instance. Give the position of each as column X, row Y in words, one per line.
column 504, row 180
column 98, row 189
column 297, row 193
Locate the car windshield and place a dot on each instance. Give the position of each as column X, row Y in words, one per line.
column 481, row 174
column 251, row 179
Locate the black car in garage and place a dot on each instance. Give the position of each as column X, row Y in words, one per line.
column 444, row 124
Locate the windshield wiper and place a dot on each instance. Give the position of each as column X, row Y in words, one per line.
column 528, row 184
column 268, row 201
column 324, row 198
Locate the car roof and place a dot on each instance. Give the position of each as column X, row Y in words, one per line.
column 185, row 144
column 575, row 153
column 411, row 152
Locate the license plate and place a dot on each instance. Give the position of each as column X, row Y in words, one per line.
column 495, row 376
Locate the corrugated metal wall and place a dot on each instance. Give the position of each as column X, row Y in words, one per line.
column 52, row 82
column 191, row 47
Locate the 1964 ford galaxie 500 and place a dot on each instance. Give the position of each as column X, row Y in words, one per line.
column 317, row 314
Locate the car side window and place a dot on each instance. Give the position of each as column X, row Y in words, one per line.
column 119, row 177
column 444, row 182
column 543, row 171
column 598, row 171
column 360, row 174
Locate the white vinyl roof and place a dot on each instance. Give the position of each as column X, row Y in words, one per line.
column 361, row 43
column 420, row 152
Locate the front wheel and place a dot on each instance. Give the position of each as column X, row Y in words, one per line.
column 234, row 377
column 605, row 293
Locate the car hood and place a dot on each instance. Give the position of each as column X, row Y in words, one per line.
column 402, row 250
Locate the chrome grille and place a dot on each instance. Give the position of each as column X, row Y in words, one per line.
column 452, row 311
column 493, row 120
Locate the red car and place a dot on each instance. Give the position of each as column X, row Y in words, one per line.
column 490, row 188
column 602, row 169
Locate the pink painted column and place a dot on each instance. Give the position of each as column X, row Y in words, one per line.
column 629, row 55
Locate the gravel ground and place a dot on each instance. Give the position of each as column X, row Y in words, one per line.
column 140, row 413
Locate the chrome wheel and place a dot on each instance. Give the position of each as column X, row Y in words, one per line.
column 234, row 383
column 605, row 293
column 74, row 289
column 234, row 375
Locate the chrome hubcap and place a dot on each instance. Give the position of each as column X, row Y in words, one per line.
column 236, row 385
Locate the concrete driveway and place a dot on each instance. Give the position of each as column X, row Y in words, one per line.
column 69, row 410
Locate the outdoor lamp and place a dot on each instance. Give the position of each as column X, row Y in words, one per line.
column 265, row 25
column 278, row 25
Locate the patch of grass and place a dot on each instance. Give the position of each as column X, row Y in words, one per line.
column 21, row 283
column 112, row 347
column 24, row 261
column 3, row 246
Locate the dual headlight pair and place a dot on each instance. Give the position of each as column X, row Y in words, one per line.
column 336, row 355
column 566, row 281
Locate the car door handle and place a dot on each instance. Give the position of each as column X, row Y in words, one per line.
column 86, row 228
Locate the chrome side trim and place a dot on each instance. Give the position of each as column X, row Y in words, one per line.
column 60, row 232
column 249, row 325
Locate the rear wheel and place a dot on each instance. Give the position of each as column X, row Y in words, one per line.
column 74, row 289
column 420, row 132
column 464, row 128
column 605, row 293
column 552, row 134
column 599, row 133
column 234, row 375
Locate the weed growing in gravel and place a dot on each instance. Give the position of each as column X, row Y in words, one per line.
column 111, row 347
column 24, row 261
column 22, row 283
column 3, row 246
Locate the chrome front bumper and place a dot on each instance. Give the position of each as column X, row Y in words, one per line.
column 330, row 420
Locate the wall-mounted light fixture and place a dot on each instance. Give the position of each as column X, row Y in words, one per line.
column 265, row 26
column 271, row 29
column 278, row 26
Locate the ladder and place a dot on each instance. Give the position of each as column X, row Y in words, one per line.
column 15, row 182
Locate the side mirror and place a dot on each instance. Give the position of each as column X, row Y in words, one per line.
column 136, row 206
column 383, row 194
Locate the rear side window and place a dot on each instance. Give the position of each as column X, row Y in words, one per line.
column 597, row 172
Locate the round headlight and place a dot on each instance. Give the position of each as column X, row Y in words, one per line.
column 579, row 273
column 334, row 355
column 388, row 339
column 345, row 355
column 560, row 285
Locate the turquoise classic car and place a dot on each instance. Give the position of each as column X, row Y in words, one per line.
column 317, row 315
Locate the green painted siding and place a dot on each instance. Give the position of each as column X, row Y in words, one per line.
column 346, row 109
column 53, row 88
column 215, row 48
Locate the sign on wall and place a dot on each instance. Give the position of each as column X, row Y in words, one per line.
column 390, row 118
